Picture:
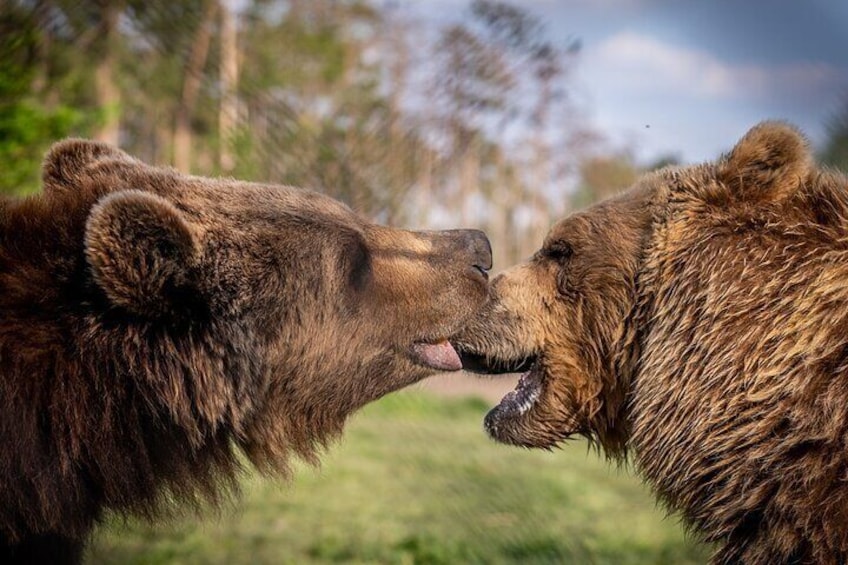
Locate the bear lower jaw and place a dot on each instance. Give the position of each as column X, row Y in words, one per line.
column 505, row 421
column 526, row 393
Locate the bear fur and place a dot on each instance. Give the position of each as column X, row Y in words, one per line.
column 699, row 321
column 154, row 325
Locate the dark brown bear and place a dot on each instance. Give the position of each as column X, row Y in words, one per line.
column 701, row 321
column 154, row 325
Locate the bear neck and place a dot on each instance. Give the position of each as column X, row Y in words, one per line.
column 737, row 395
column 99, row 414
column 610, row 426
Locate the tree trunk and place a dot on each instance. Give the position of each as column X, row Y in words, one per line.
column 469, row 182
column 40, row 78
column 191, row 87
column 108, row 93
column 543, row 158
column 228, row 112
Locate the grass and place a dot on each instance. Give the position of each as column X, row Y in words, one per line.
column 416, row 481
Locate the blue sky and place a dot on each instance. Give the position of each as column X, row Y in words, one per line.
column 689, row 77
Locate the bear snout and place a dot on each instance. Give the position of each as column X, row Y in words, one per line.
column 472, row 248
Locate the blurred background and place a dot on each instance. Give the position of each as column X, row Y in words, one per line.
column 427, row 114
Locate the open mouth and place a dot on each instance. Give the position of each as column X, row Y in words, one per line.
column 439, row 355
column 517, row 402
column 506, row 421
column 486, row 365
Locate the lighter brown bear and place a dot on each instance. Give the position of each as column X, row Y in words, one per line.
column 699, row 321
column 154, row 325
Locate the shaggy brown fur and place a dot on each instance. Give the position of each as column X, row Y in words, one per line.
column 154, row 324
column 699, row 320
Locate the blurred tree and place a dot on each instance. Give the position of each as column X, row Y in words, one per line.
column 474, row 87
column 835, row 151
column 325, row 94
column 177, row 38
column 27, row 126
column 500, row 81
column 544, row 64
column 603, row 176
column 85, row 53
column 310, row 89
column 668, row 160
column 105, row 80
column 173, row 76
column 228, row 81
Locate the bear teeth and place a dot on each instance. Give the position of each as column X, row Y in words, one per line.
column 527, row 392
column 528, row 403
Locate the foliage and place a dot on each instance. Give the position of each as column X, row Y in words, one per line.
column 835, row 151
column 504, row 119
column 604, row 176
column 467, row 124
column 26, row 125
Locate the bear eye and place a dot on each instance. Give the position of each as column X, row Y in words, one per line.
column 558, row 251
column 358, row 261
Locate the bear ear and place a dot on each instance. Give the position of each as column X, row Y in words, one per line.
column 768, row 164
column 66, row 162
column 142, row 252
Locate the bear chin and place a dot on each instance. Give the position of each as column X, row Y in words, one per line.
column 513, row 420
column 503, row 422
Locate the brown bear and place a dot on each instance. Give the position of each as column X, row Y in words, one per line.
column 155, row 325
column 699, row 320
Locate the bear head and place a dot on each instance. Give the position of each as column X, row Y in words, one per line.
column 155, row 324
column 576, row 317
column 699, row 321
column 308, row 309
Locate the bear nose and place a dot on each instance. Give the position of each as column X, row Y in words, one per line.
column 478, row 248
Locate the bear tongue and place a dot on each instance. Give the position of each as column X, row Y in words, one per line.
column 441, row 355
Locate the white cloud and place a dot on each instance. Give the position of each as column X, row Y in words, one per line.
column 647, row 64
column 658, row 97
column 609, row 4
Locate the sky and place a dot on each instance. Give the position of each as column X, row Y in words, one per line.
column 689, row 77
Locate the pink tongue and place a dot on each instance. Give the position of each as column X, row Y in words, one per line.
column 441, row 356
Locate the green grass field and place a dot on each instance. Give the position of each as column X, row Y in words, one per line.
column 415, row 480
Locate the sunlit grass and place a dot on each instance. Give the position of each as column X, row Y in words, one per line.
column 416, row 481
